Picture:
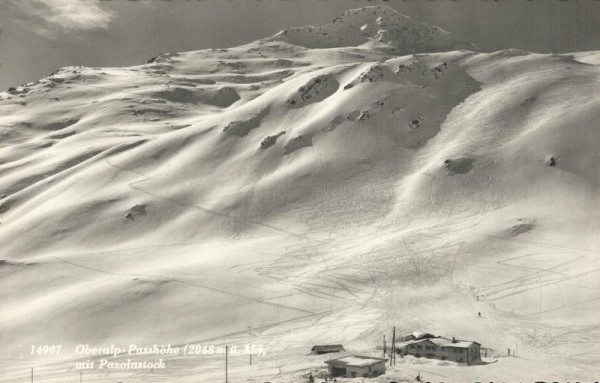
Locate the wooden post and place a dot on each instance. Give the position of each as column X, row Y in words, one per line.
column 384, row 350
column 226, row 361
column 31, row 374
column 251, row 359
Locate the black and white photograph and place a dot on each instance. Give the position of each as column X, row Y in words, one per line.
column 299, row 191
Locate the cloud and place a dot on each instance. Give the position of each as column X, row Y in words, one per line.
column 77, row 14
column 46, row 16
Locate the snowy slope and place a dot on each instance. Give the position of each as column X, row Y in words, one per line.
column 306, row 188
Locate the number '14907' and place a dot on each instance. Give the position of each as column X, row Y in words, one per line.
column 46, row 349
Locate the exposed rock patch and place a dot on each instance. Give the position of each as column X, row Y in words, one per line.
column 315, row 90
column 243, row 127
column 270, row 140
column 136, row 211
column 296, row 143
column 459, row 165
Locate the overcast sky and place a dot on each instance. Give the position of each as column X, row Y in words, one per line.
column 39, row 36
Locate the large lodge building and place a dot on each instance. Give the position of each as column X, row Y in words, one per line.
column 433, row 347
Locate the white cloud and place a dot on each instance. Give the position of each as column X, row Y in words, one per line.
column 77, row 14
column 69, row 15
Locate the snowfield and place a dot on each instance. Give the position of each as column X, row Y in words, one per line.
column 319, row 186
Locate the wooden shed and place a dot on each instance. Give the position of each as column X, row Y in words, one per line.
column 326, row 349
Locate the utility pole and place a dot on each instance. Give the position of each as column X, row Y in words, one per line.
column 31, row 374
column 391, row 351
column 393, row 358
column 384, row 350
column 226, row 362
column 251, row 359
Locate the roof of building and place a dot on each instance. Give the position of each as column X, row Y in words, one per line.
column 421, row 335
column 328, row 347
column 442, row 342
column 356, row 360
column 416, row 335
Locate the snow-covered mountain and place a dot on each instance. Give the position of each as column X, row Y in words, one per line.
column 374, row 24
column 318, row 186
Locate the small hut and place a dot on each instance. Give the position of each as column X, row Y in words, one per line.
column 326, row 349
column 355, row 366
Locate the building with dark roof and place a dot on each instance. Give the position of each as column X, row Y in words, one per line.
column 327, row 348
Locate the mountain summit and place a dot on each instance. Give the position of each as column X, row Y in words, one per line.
column 377, row 23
